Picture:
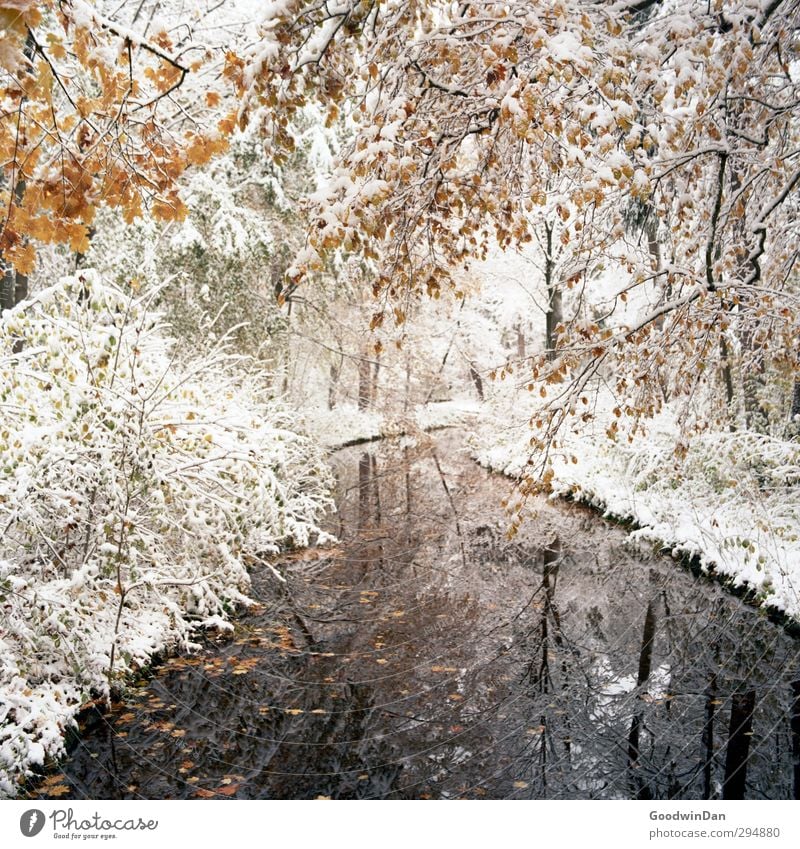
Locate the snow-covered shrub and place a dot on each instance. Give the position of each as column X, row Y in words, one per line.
column 133, row 494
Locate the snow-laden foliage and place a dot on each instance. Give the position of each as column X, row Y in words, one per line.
column 133, row 495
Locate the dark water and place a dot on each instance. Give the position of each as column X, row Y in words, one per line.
column 427, row 656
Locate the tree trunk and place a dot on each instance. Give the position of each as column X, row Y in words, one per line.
column 476, row 379
column 373, row 386
column 364, row 381
column 20, row 287
column 727, row 379
column 753, row 366
column 554, row 313
column 333, row 383
column 8, row 289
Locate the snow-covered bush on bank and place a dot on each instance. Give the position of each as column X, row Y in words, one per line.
column 731, row 499
column 133, row 494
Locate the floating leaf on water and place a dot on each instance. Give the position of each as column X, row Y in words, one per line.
column 229, row 790
column 59, row 790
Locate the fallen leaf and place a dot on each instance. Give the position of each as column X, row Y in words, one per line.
column 228, row 790
column 60, row 790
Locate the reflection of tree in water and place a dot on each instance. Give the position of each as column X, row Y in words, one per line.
column 546, row 677
column 690, row 698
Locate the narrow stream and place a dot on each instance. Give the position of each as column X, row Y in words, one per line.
column 427, row 656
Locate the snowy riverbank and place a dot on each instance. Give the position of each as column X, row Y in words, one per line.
column 346, row 425
column 729, row 499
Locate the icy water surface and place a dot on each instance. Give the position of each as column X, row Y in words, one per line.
column 427, row 656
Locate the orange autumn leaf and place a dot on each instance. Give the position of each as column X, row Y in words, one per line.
column 78, row 237
column 59, row 790
column 22, row 257
column 229, row 790
column 227, row 124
